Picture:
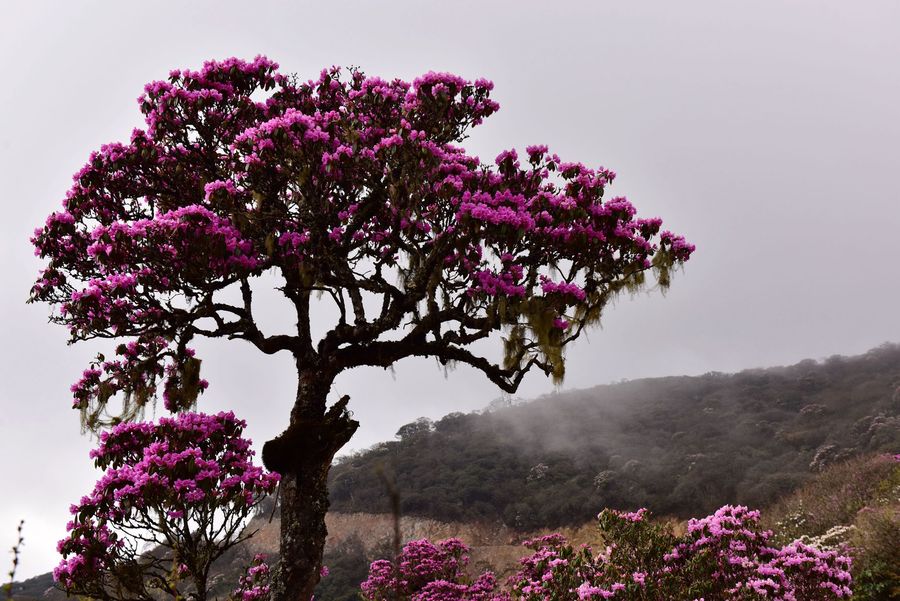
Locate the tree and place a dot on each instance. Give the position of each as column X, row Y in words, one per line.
column 412, row 430
column 174, row 497
column 351, row 189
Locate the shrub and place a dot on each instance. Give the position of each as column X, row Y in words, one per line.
column 174, row 497
column 428, row 572
column 877, row 554
column 835, row 496
column 724, row 556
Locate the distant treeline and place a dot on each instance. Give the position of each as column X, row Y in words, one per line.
column 679, row 445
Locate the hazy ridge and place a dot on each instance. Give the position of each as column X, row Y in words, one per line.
column 681, row 446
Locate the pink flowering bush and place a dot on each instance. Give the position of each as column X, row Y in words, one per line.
column 254, row 584
column 725, row 556
column 428, row 572
column 722, row 557
column 174, row 497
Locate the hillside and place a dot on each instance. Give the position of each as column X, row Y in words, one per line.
column 853, row 505
column 854, row 502
column 683, row 446
column 679, row 445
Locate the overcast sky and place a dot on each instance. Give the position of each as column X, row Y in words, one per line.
column 767, row 132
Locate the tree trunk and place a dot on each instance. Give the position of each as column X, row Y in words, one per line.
column 302, row 454
column 200, row 583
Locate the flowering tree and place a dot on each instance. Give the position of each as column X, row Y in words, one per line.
column 351, row 190
column 181, row 489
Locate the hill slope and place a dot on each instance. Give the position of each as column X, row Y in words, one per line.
column 678, row 445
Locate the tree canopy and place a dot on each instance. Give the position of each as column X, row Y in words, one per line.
column 349, row 186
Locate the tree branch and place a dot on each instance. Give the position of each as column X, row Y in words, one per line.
column 386, row 353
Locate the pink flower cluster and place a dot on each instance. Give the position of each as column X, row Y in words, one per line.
column 722, row 557
column 630, row 516
column 428, row 572
column 254, row 584
column 562, row 288
column 734, row 544
column 189, row 245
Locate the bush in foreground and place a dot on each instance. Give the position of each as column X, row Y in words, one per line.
column 854, row 504
column 724, row 556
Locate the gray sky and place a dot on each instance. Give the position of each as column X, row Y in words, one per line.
column 767, row 132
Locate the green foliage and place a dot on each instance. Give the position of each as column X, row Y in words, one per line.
column 854, row 504
column 877, row 556
column 837, row 496
column 348, row 566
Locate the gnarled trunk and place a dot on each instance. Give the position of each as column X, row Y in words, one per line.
column 302, row 454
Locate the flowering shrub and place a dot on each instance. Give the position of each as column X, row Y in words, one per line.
column 254, row 585
column 854, row 504
column 174, row 497
column 722, row 557
column 428, row 572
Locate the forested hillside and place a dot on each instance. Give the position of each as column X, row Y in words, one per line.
column 678, row 445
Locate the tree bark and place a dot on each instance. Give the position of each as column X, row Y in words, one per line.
column 302, row 454
column 200, row 583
